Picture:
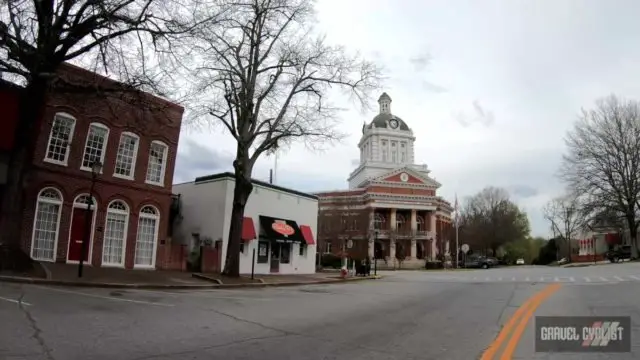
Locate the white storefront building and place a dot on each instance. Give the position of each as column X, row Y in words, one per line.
column 279, row 223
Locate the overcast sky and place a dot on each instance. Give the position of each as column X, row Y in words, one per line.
column 488, row 87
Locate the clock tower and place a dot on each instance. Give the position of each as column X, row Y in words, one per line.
column 387, row 143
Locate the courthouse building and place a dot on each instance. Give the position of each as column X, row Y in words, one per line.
column 391, row 210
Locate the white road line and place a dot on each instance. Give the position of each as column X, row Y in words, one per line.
column 487, row 279
column 604, row 279
column 619, row 278
column 587, row 279
column 634, row 277
column 105, row 297
column 499, row 279
column 527, row 279
column 15, row 301
column 513, row 279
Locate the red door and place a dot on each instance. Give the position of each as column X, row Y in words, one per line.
column 77, row 234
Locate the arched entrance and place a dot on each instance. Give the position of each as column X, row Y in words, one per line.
column 420, row 250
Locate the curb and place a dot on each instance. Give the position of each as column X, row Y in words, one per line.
column 37, row 281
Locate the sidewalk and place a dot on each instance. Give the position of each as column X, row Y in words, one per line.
column 67, row 275
column 585, row 264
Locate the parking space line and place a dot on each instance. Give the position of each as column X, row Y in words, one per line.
column 15, row 301
column 105, row 297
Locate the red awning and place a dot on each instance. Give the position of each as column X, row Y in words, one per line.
column 307, row 234
column 248, row 229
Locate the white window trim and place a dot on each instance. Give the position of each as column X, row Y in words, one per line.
column 35, row 219
column 164, row 164
column 133, row 162
column 94, row 210
column 71, row 133
column 104, row 146
column 127, row 213
column 155, row 242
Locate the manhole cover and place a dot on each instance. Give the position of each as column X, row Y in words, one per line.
column 116, row 293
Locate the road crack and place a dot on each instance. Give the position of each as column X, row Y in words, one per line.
column 37, row 332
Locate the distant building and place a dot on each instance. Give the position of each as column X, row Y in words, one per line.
column 391, row 210
column 279, row 225
column 134, row 137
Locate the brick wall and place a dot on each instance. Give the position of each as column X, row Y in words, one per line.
column 151, row 119
column 210, row 260
column 172, row 257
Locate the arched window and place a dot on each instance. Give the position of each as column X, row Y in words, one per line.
column 420, row 223
column 147, row 237
column 399, row 222
column 378, row 222
column 115, row 233
column 46, row 225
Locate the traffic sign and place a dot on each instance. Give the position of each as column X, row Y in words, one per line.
column 464, row 248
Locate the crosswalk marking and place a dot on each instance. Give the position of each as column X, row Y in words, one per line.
column 541, row 279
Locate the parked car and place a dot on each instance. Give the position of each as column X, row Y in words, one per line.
column 493, row 261
column 477, row 261
column 520, row 262
column 619, row 253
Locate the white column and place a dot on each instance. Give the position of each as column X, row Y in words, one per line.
column 413, row 249
column 392, row 250
column 414, row 223
column 432, row 226
column 392, row 219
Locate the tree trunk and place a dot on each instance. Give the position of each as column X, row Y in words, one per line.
column 633, row 237
column 241, row 192
column 32, row 103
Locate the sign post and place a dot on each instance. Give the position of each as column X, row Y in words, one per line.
column 465, row 250
column 253, row 263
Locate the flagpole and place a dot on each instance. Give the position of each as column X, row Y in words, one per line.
column 457, row 248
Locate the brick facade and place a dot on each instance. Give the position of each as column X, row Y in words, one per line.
column 148, row 118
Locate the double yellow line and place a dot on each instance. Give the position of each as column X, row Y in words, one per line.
column 519, row 320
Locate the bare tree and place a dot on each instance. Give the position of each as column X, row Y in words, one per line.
column 38, row 36
column 603, row 161
column 489, row 220
column 566, row 217
column 266, row 77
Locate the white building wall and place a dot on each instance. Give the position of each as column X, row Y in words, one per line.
column 206, row 209
column 278, row 204
column 200, row 204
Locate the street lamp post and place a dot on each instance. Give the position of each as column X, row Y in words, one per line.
column 96, row 168
column 375, row 255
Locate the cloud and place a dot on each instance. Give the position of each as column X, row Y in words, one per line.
column 523, row 191
column 195, row 159
column 420, row 62
column 480, row 116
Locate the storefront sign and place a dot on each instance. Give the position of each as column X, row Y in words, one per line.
column 282, row 228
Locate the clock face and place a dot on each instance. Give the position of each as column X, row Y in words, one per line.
column 404, row 177
column 393, row 123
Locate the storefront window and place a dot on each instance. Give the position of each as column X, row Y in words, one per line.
column 285, row 253
column 303, row 249
column 263, row 252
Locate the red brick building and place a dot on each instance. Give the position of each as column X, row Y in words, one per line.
column 135, row 137
column 391, row 210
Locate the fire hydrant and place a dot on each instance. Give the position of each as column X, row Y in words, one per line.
column 343, row 272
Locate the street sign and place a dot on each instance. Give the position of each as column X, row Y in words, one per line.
column 464, row 248
column 349, row 244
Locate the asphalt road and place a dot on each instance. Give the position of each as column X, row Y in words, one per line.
column 406, row 315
